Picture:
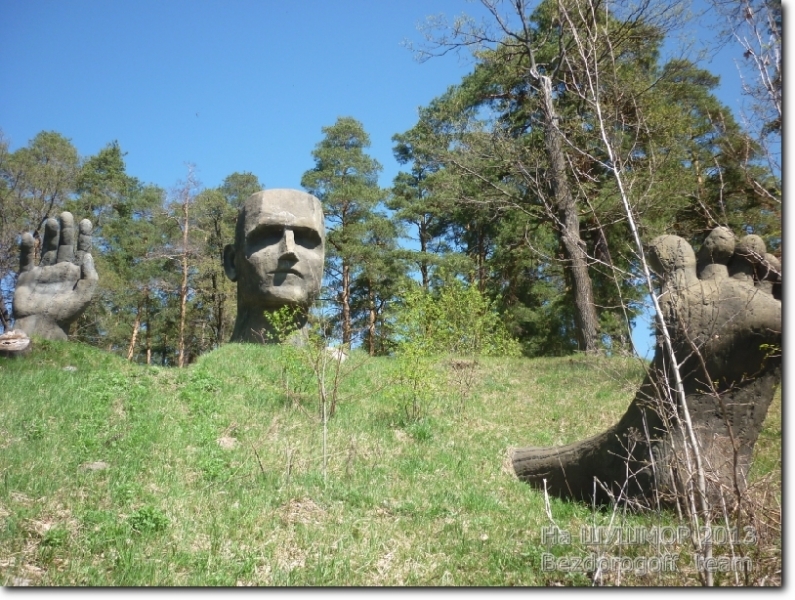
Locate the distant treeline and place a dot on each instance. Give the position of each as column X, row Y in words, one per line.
column 509, row 185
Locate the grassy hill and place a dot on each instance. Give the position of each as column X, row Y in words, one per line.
column 117, row 474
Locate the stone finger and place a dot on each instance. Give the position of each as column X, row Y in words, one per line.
column 88, row 271
column 770, row 276
column 748, row 255
column 27, row 251
column 84, row 240
column 66, row 247
column 88, row 279
column 752, row 247
column 673, row 259
column 772, row 266
column 715, row 254
column 49, row 250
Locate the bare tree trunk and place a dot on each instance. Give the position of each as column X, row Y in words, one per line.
column 481, row 262
column 371, row 323
column 148, row 329
column 183, row 290
column 218, row 303
column 423, row 234
column 134, row 337
column 346, row 304
column 569, row 226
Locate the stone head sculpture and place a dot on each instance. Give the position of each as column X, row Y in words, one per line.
column 276, row 260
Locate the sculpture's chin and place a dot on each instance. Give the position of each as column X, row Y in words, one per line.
column 286, row 295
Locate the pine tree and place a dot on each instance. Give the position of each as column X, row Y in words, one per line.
column 345, row 180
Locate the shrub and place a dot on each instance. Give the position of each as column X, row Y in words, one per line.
column 454, row 319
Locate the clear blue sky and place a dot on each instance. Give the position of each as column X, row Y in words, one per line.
column 232, row 85
column 228, row 85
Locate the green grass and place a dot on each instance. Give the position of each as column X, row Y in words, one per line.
column 114, row 474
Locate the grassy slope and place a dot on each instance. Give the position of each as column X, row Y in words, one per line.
column 213, row 477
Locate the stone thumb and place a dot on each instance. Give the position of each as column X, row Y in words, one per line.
column 88, row 277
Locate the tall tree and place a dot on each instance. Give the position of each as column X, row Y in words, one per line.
column 181, row 212
column 757, row 26
column 529, row 45
column 216, row 211
column 377, row 282
column 239, row 186
column 417, row 199
column 345, row 180
column 35, row 183
column 126, row 233
column 527, row 105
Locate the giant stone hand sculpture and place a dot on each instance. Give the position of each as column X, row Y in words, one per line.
column 51, row 296
column 724, row 318
column 276, row 260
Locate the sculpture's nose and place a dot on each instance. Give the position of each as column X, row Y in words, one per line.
column 287, row 249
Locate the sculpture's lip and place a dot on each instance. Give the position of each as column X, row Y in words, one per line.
column 288, row 271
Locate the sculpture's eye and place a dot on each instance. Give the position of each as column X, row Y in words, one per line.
column 263, row 236
column 306, row 237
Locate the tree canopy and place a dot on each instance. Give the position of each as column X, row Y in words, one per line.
column 518, row 182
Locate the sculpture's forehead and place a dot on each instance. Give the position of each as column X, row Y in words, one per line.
column 283, row 207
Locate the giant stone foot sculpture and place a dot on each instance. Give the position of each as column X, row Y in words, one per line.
column 50, row 297
column 725, row 322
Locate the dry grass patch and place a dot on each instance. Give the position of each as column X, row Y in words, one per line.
column 303, row 510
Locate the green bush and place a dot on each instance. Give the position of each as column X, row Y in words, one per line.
column 454, row 319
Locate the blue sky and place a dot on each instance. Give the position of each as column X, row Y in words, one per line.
column 232, row 85
column 229, row 86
